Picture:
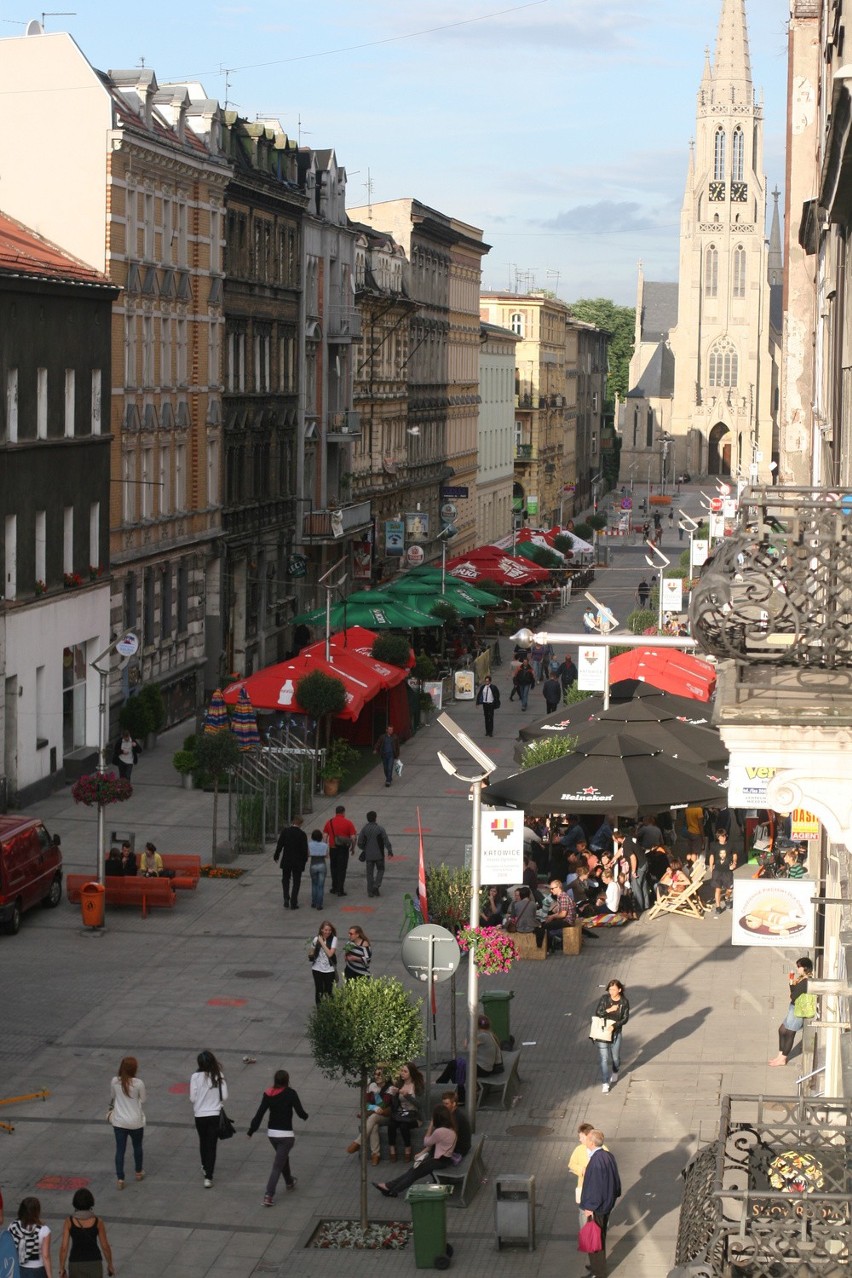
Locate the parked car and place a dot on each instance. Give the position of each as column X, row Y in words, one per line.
column 30, row 869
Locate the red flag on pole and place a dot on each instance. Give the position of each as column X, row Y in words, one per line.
column 421, row 876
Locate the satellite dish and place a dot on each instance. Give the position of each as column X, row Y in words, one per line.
column 34, row 27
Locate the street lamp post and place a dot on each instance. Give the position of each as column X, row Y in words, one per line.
column 658, row 561
column 127, row 645
column 476, row 783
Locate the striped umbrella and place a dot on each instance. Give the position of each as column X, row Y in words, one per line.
column 244, row 722
column 216, row 718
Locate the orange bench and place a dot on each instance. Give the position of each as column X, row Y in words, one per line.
column 125, row 891
column 187, row 868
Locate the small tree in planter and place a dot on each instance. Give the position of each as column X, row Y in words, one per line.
column 361, row 1024
column 216, row 753
column 598, row 522
column 545, row 749
column 321, row 695
column 392, row 649
column 640, row 621
column 135, row 716
column 151, row 695
column 339, row 758
column 584, row 531
column 564, row 543
column 184, row 762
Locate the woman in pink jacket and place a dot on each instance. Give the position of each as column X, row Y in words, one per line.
column 439, row 1145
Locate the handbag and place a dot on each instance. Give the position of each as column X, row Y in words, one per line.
column 109, row 1112
column 805, row 1006
column 589, row 1238
column 601, row 1031
column 398, row 766
column 226, row 1127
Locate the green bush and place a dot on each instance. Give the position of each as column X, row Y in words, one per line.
column 598, row 522
column 339, row 758
column 564, row 543
column 135, row 716
column 184, row 762
column 392, row 649
column 545, row 749
column 424, row 668
column 320, row 694
column 640, row 619
column 584, row 531
column 152, row 696
column 575, row 694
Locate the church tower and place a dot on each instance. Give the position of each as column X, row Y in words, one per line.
column 723, row 344
column 725, row 340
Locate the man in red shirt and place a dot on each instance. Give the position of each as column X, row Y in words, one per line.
column 340, row 835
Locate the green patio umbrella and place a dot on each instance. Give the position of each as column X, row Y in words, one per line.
column 374, row 609
column 422, row 595
column 432, row 576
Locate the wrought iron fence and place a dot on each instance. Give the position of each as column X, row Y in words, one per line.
column 772, row 1197
column 779, row 590
column 265, row 791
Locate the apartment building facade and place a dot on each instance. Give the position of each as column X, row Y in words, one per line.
column 496, row 435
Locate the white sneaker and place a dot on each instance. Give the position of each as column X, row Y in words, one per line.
column 208, row 1184
column 605, row 1088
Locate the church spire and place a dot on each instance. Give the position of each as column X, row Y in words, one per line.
column 732, row 67
column 775, row 260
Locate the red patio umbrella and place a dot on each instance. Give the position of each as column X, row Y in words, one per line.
column 359, row 664
column 359, row 639
column 274, row 688
column 667, row 668
column 489, row 563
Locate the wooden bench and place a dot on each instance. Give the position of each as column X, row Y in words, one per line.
column 187, row 868
column 500, row 1083
column 470, row 1172
column 125, row 891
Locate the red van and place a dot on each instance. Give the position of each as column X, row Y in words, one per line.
column 30, row 869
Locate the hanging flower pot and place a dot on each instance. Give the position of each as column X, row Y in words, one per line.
column 99, row 789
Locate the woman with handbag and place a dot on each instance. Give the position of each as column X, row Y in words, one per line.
column 127, row 1096
column 405, row 1108
column 280, row 1101
column 610, row 1016
column 323, row 958
column 208, row 1091
column 802, row 1008
column 439, row 1145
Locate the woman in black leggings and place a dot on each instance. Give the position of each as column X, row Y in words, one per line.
column 207, row 1091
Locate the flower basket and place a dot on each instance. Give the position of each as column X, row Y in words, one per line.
column 99, row 789
column 491, row 949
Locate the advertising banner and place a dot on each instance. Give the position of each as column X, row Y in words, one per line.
column 416, row 525
column 672, row 594
column 776, row 912
column 463, row 685
column 747, row 784
column 591, row 670
column 394, row 537
column 502, row 836
column 803, row 825
column 700, row 551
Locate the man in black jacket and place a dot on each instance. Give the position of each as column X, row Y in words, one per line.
column 292, row 848
column 601, row 1190
column 489, row 698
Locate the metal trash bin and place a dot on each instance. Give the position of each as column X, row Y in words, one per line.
column 495, row 1005
column 514, row 1210
column 92, row 904
column 429, row 1220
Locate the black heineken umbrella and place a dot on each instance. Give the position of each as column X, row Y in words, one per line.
column 624, row 691
column 677, row 738
column 613, row 772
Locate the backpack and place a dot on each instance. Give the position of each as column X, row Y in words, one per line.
column 26, row 1236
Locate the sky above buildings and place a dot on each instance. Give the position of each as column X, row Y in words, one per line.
column 560, row 127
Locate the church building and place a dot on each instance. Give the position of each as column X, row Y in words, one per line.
column 703, row 395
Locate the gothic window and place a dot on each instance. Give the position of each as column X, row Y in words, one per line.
column 649, row 428
column 711, row 271
column 635, row 425
column 737, row 155
column 724, row 364
column 739, row 272
column 517, row 323
column 719, row 156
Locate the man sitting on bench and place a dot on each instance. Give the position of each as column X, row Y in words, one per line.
column 562, row 913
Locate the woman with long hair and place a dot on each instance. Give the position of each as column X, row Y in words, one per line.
column 279, row 1101
column 405, row 1113
column 127, row 1116
column 613, row 1008
column 32, row 1239
column 357, row 953
column 323, row 957
column 208, row 1091
column 439, row 1144
column 85, row 1234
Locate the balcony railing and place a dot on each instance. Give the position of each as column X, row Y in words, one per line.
column 343, row 321
column 779, row 590
column 770, row 1197
column 344, row 426
column 331, row 525
column 524, row 452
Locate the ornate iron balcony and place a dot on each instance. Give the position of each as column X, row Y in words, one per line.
column 779, row 590
column 771, row 1197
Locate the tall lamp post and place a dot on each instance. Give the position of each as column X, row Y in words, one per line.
column 476, row 783
column 446, row 534
column 127, row 645
column 658, row 561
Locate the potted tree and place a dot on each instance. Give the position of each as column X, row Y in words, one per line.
column 184, row 762
column 152, row 697
column 339, row 758
column 216, row 753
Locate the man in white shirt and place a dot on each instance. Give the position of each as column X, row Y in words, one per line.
column 489, row 698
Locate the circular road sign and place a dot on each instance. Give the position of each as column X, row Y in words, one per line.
column 128, row 645
column 446, row 954
column 449, row 511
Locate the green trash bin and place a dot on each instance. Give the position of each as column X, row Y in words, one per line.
column 429, row 1219
column 495, row 1005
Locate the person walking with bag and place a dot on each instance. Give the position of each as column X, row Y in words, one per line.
column 279, row 1101
column 318, row 857
column 127, row 1096
column 374, row 843
column 601, row 1190
column 358, row 954
column 387, row 748
column 611, row 1014
column 32, row 1238
column 489, row 698
column 323, row 957
column 802, row 1008
column 84, row 1241
column 208, row 1091
column 292, row 848
column 339, row 833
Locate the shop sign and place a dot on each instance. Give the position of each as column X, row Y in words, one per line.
column 502, row 843
column 394, row 537
column 591, row 669
column 747, row 784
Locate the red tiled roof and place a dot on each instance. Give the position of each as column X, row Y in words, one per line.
column 23, row 252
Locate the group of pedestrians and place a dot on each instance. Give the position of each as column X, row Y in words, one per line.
column 536, row 666
column 331, row 847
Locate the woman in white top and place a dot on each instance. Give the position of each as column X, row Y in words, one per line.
column 32, row 1239
column 318, row 856
column 323, row 957
column 207, row 1091
column 127, row 1116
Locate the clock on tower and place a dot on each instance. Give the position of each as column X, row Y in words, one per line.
column 717, row 191
column 739, row 192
